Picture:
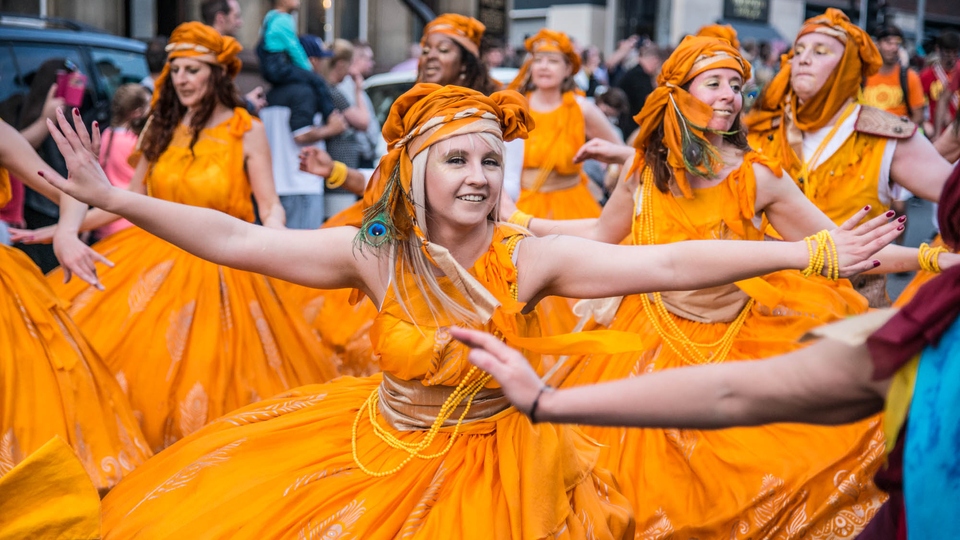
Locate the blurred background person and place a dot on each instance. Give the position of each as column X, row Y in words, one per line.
column 224, row 17
column 936, row 80
column 370, row 141
column 128, row 113
column 895, row 88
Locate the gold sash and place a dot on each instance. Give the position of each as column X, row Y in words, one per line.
column 411, row 406
column 714, row 305
column 535, row 180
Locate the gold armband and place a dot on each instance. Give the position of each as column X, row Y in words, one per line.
column 520, row 218
column 929, row 257
column 338, row 176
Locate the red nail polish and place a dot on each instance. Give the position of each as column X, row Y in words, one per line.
column 900, row 228
column 876, row 264
column 891, row 213
column 901, row 219
column 865, row 208
column 76, row 110
column 95, row 124
column 40, row 173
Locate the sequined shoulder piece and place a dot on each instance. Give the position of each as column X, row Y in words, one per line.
column 873, row 121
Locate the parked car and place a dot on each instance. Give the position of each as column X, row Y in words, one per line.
column 385, row 88
column 107, row 61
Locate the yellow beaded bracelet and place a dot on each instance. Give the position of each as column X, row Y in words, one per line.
column 822, row 257
column 929, row 257
column 338, row 176
column 520, row 218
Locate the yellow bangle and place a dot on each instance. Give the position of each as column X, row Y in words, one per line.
column 929, row 257
column 338, row 176
column 823, row 257
column 520, row 218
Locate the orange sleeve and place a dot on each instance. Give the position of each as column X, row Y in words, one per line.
column 915, row 89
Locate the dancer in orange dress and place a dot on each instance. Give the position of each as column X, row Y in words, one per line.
column 841, row 154
column 342, row 317
column 426, row 449
column 701, row 183
column 52, row 383
column 191, row 340
column 552, row 185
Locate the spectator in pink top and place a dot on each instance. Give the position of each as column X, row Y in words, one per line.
column 131, row 103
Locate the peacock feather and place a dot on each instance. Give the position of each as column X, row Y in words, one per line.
column 699, row 156
column 378, row 226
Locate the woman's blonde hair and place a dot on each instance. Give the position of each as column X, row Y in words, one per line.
column 406, row 256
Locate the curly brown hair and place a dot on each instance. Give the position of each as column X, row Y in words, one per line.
column 476, row 76
column 167, row 113
column 655, row 155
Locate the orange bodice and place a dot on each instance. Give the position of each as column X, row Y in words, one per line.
column 212, row 175
column 843, row 183
column 424, row 350
column 556, row 139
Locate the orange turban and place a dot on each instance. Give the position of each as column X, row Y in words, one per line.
column 722, row 31
column 425, row 115
column 860, row 59
column 682, row 115
column 466, row 31
column 546, row 41
column 201, row 42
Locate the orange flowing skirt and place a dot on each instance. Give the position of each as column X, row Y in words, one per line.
column 53, row 383
column 778, row 481
column 283, row 468
column 188, row 339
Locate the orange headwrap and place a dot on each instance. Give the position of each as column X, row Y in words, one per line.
column 466, row 31
column 860, row 59
column 683, row 116
column 425, row 115
column 201, row 42
column 722, row 31
column 546, row 41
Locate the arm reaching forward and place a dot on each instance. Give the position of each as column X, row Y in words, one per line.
column 826, row 383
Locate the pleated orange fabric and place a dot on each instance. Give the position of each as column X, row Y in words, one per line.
column 778, row 481
column 52, row 383
column 188, row 339
column 284, row 468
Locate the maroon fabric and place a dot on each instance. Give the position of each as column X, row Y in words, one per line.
column 933, row 309
column 890, row 522
column 919, row 323
column 949, row 213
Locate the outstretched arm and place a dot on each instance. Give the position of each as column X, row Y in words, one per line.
column 321, row 258
column 611, row 227
column 918, row 167
column 795, row 217
column 826, row 383
column 578, row 268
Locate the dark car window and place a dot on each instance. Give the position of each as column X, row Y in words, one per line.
column 118, row 67
column 30, row 57
column 383, row 97
column 8, row 74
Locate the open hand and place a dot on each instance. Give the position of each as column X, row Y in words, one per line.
column 86, row 181
column 78, row 259
column 856, row 244
column 519, row 381
column 604, row 151
column 315, row 161
column 43, row 235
